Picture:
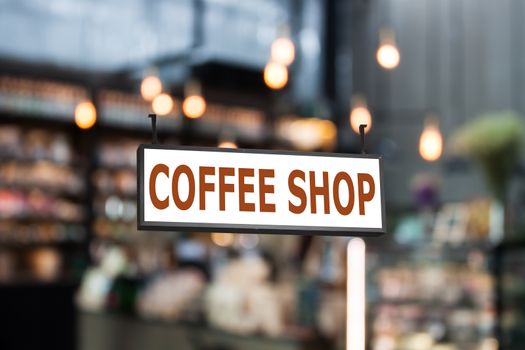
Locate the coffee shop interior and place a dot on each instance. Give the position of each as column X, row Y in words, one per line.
column 439, row 85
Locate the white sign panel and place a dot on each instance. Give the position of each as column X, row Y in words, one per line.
column 215, row 189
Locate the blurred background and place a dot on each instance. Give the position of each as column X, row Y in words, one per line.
column 438, row 83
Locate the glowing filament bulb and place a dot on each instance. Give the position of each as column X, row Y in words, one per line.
column 194, row 106
column 283, row 51
column 162, row 104
column 387, row 54
column 85, row 115
column 275, row 75
column 360, row 114
column 431, row 142
column 150, row 87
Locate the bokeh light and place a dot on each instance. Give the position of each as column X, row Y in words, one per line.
column 227, row 144
column 194, row 106
column 85, row 115
column 388, row 56
column 360, row 114
column 283, row 51
column 275, row 75
column 431, row 142
column 222, row 239
column 162, row 104
column 150, row 87
column 308, row 134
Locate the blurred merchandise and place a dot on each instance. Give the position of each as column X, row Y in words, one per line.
column 39, row 98
column 42, row 208
column 45, row 263
column 36, row 205
column 435, row 292
column 97, row 281
column 159, row 301
column 242, row 301
column 425, row 189
column 115, row 184
column 7, row 261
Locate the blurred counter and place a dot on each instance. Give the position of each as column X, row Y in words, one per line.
column 103, row 331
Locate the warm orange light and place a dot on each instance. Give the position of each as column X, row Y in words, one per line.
column 222, row 239
column 194, row 106
column 85, row 115
column 308, row 134
column 359, row 116
column 283, row 51
column 162, row 104
column 431, row 142
column 227, row 144
column 388, row 56
column 150, row 87
column 275, row 75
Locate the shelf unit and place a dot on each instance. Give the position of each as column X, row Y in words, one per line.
column 101, row 205
column 442, row 294
column 43, row 216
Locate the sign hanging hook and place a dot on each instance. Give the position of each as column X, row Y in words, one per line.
column 154, row 138
column 362, row 133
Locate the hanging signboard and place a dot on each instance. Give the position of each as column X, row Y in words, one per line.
column 230, row 190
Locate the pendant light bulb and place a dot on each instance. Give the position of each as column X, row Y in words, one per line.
column 387, row 54
column 85, row 115
column 283, row 51
column 194, row 104
column 150, row 87
column 431, row 141
column 360, row 114
column 162, row 104
column 275, row 75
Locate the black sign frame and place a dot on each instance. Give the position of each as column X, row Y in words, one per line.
column 260, row 229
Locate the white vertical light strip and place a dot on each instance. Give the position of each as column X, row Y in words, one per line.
column 355, row 295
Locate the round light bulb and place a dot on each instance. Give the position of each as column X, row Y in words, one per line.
column 162, row 104
column 194, row 106
column 360, row 115
column 283, row 51
column 388, row 56
column 85, row 115
column 275, row 75
column 150, row 87
column 431, row 143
